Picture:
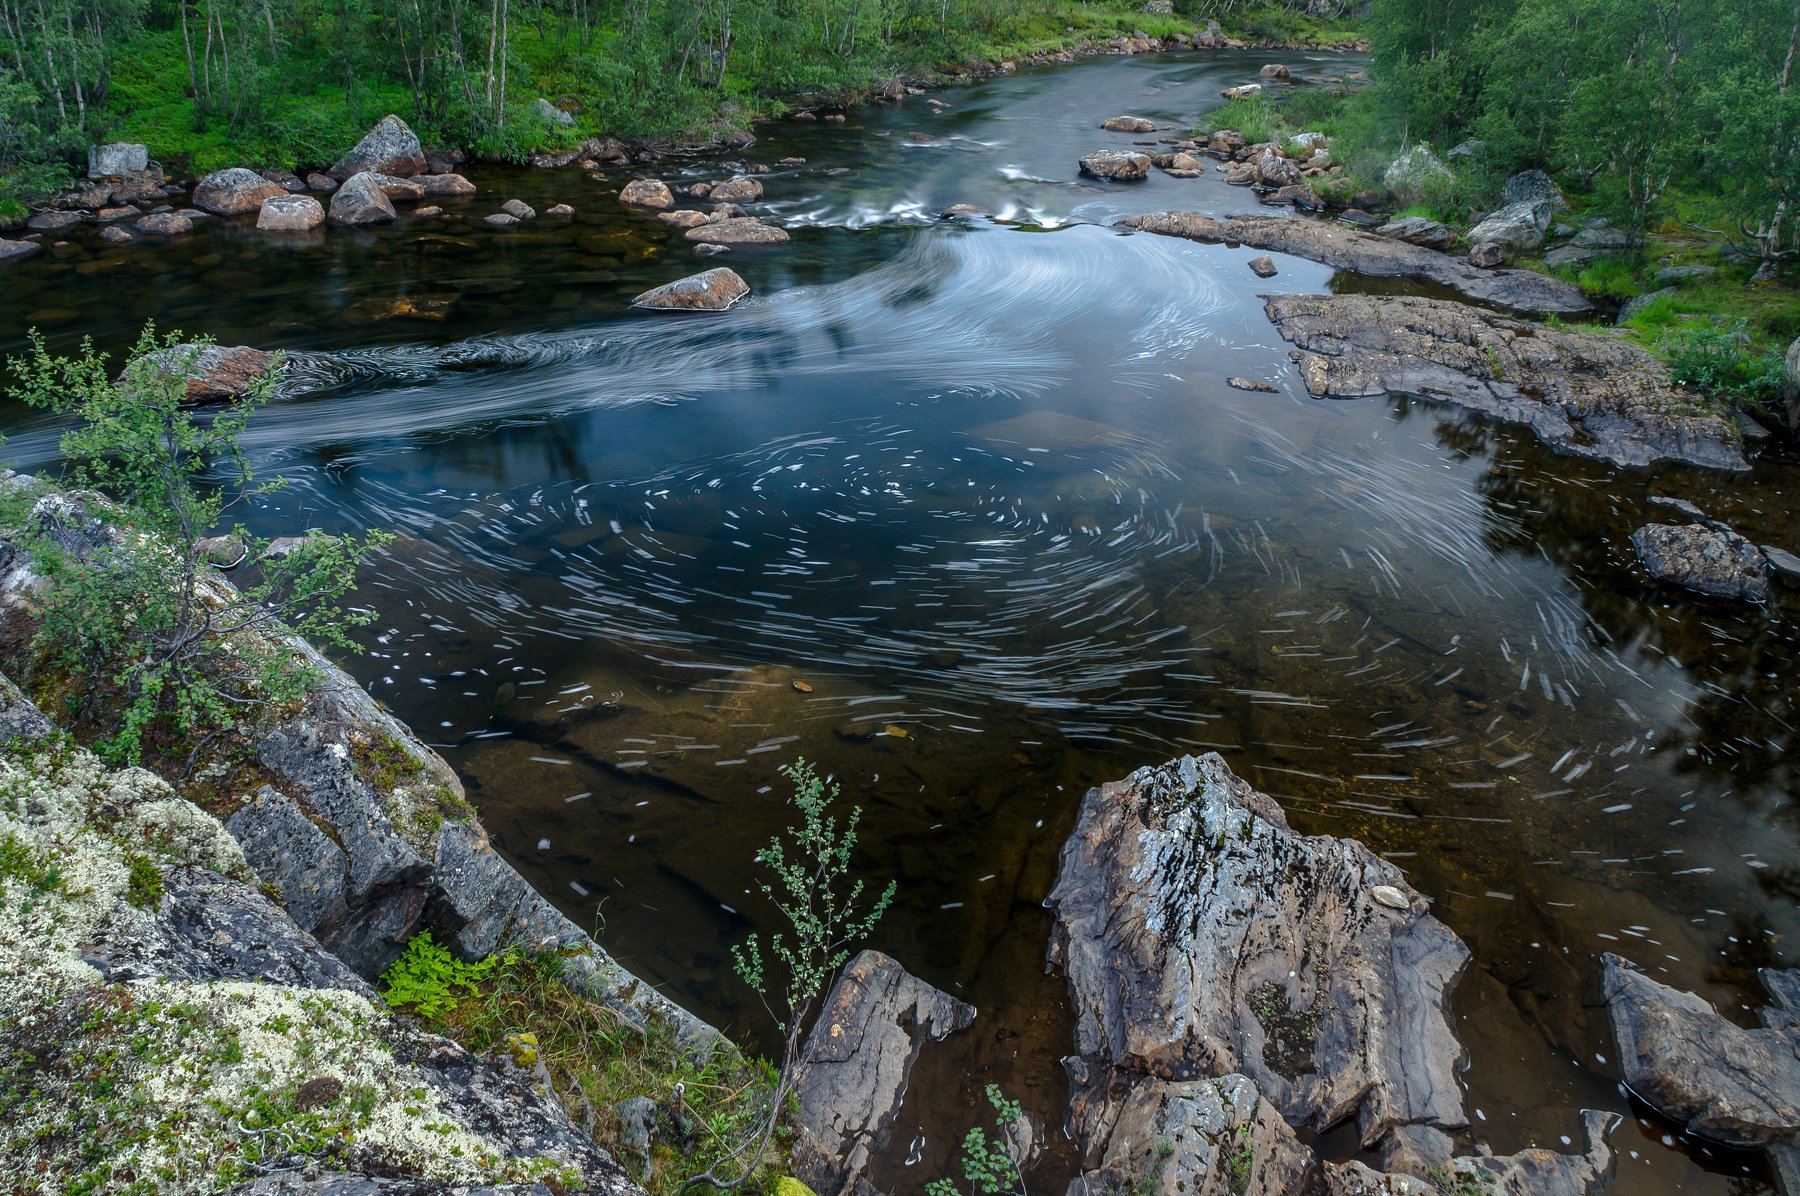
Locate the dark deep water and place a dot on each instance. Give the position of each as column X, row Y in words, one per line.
column 984, row 489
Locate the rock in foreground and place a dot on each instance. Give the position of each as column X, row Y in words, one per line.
column 710, row 290
column 1365, row 253
column 1582, row 393
column 1711, row 560
column 856, row 1062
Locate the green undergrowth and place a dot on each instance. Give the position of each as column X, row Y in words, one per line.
column 518, row 1004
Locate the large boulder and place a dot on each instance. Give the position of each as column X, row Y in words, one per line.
column 647, row 193
column 1717, row 1079
column 117, row 158
column 740, row 230
column 361, row 200
column 234, row 192
column 1119, row 166
column 1583, row 393
column 290, row 214
column 389, row 148
column 1416, row 170
column 855, row 1065
column 1516, row 228
column 1531, row 185
column 546, row 111
column 1707, row 558
column 712, row 290
column 215, row 373
column 1791, row 384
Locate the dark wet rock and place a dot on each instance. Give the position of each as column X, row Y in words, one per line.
column 322, row 183
column 1719, row 1080
column 1303, row 198
column 290, row 214
column 1116, row 165
column 1263, row 267
column 1712, row 560
column 389, row 148
column 117, row 158
column 55, row 222
column 501, row 220
column 740, row 230
column 1366, row 253
column 647, row 193
column 1790, row 389
column 216, row 373
column 1582, row 393
column 1128, row 124
column 855, row 1066
column 1680, row 506
column 714, row 290
column 116, row 236
column 287, row 180
column 1531, row 1172
column 361, row 200
column 561, row 211
column 11, row 250
column 1333, row 1004
column 1785, row 564
column 736, row 190
column 443, row 185
column 1197, row 1138
column 1274, row 70
column 234, row 192
column 1417, row 230
column 1251, row 385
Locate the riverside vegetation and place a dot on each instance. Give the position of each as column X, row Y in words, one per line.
column 155, row 661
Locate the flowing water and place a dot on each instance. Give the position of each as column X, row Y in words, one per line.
column 983, row 492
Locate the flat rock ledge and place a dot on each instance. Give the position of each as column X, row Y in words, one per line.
column 1585, row 394
column 1345, row 248
column 856, row 1063
column 1232, row 980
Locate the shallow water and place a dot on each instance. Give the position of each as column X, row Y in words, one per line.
column 984, row 490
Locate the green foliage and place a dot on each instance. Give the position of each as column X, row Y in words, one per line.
column 1721, row 362
column 432, row 981
column 1256, row 117
column 988, row 1166
column 1240, row 1160
column 137, row 618
column 144, row 883
column 30, row 869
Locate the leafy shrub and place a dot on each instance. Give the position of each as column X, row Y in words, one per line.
column 432, row 981
column 1721, row 361
column 987, row 1162
column 1256, row 117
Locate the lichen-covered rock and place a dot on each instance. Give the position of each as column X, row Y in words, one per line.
column 1711, row 560
column 738, row 230
column 361, row 200
column 116, row 158
column 647, row 193
column 290, row 214
column 1582, row 393
column 711, row 290
column 738, row 189
column 1516, row 228
column 390, row 148
column 1365, row 253
column 856, row 1062
column 1119, row 166
column 1414, row 171
column 234, row 192
column 1332, row 1002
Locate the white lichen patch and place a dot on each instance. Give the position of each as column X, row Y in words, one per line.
column 168, row 1087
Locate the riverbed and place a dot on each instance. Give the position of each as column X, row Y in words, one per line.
column 965, row 514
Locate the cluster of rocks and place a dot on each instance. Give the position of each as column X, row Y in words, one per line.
column 1709, row 557
column 721, row 226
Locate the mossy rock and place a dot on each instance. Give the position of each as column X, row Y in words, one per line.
column 787, row 1185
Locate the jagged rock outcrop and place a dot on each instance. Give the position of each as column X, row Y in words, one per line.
column 1709, row 559
column 1346, row 248
column 1582, row 393
column 1223, row 968
column 856, row 1063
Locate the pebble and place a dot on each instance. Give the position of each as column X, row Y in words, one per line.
column 1389, row 896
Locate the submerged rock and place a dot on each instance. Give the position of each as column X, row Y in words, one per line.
column 1365, row 253
column 11, row 250
column 712, row 290
column 1582, row 393
column 390, row 148
column 1118, row 166
column 856, row 1062
column 1710, row 559
column 739, row 230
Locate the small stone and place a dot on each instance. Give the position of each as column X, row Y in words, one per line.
column 1251, row 384
column 518, row 209
column 116, row 236
column 1263, row 267
column 561, row 211
column 501, row 220
column 803, row 687
column 1389, row 896
column 428, row 212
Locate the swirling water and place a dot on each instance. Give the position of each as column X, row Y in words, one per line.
column 982, row 491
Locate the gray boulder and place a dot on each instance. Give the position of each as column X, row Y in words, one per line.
column 13, row 250
column 361, row 200
column 115, row 158
column 1517, row 228
column 1791, row 387
column 290, row 214
column 1670, row 276
column 855, row 1065
column 1116, row 165
column 1276, row 171
column 1530, row 185
column 390, row 147
column 647, row 193
column 1602, row 239
column 712, row 290
column 234, row 192
column 1710, row 560
column 549, row 112
column 166, row 224
column 1409, row 175
column 740, row 230
column 736, row 190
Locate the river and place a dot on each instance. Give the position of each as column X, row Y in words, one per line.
column 983, row 491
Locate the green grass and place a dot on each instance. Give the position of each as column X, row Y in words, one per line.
column 1276, row 22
